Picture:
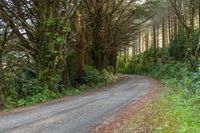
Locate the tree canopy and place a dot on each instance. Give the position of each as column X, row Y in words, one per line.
column 49, row 42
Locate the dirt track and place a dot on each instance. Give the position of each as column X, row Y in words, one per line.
column 76, row 114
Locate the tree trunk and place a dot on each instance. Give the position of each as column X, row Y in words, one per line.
column 45, row 69
column 169, row 24
column 181, row 5
column 147, row 40
column 142, row 41
column 113, row 59
column 65, row 75
column 133, row 50
column 154, row 36
column 1, row 81
column 199, row 14
column 139, row 48
column 136, row 46
column 163, row 33
column 127, row 49
column 125, row 53
column 80, row 46
column 192, row 14
column 158, row 37
column 172, row 27
column 97, row 50
column 175, row 25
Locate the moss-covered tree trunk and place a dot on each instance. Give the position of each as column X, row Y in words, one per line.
column 2, row 48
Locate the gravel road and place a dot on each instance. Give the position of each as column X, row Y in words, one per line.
column 76, row 114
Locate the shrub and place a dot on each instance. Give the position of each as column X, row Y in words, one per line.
column 141, row 63
column 180, row 45
column 94, row 77
column 23, row 86
column 26, row 89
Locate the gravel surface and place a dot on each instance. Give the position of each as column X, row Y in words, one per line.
column 78, row 113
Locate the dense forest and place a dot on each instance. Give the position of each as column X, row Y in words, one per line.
column 54, row 48
column 50, row 47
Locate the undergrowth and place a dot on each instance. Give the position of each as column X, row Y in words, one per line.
column 28, row 92
column 177, row 110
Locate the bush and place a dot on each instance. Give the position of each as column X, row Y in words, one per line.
column 23, row 86
column 180, row 47
column 26, row 89
column 94, row 77
column 141, row 63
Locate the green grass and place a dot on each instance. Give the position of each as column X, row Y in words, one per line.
column 177, row 110
column 171, row 113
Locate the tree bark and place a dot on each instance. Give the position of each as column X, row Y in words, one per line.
column 175, row 25
column 125, row 52
column 163, row 33
column 169, row 24
column 147, row 40
column 113, row 59
column 97, row 50
column 80, row 46
column 139, row 48
column 1, row 81
column 154, row 36
column 65, row 75
column 2, row 48
column 133, row 50
column 199, row 14
column 192, row 14
column 158, row 37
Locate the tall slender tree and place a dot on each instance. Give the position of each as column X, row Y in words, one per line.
column 80, row 45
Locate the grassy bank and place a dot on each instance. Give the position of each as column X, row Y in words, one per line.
column 177, row 110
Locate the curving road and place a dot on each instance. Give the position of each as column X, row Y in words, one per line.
column 78, row 113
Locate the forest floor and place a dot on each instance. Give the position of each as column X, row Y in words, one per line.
column 102, row 110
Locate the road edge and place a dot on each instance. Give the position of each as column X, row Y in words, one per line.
column 119, row 79
column 115, row 123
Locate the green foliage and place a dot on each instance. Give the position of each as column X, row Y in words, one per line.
column 177, row 110
column 141, row 63
column 20, row 93
column 27, row 90
column 180, row 45
column 24, row 85
column 178, row 74
column 169, row 70
column 171, row 113
column 179, row 106
column 95, row 77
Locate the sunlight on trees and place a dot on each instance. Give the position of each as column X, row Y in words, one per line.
column 45, row 45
